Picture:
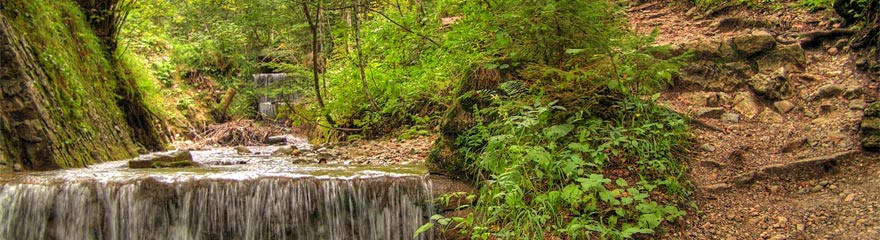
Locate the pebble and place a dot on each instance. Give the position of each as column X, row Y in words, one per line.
column 833, row 51
column 730, row 117
column 800, row 227
column 708, row 147
column 850, row 197
column 775, row 189
column 783, row 106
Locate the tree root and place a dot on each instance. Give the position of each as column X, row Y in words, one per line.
column 814, row 39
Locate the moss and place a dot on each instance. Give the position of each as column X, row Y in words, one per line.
column 79, row 95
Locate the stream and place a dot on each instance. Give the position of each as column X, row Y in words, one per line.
column 232, row 197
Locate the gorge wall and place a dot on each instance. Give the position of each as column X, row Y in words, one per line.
column 60, row 101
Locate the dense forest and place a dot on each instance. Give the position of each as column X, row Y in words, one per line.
column 552, row 109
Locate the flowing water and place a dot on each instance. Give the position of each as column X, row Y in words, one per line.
column 233, row 197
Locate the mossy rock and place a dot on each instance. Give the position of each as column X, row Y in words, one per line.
column 871, row 126
column 782, row 56
column 871, row 143
column 444, row 160
column 873, row 110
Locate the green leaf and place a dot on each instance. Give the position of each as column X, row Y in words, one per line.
column 621, row 182
column 558, row 131
column 574, row 50
column 422, row 229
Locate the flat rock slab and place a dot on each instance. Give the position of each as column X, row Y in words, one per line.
column 164, row 160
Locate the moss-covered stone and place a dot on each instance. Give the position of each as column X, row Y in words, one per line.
column 60, row 92
column 873, row 110
column 472, row 94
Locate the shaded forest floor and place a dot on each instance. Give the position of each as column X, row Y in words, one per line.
column 777, row 163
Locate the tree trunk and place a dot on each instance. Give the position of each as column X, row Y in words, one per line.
column 313, row 28
column 361, row 64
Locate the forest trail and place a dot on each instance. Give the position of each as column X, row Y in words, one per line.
column 777, row 152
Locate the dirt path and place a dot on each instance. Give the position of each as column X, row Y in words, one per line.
column 777, row 153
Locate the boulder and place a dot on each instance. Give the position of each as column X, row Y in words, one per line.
column 773, row 86
column 790, row 56
column 164, row 160
column 750, row 44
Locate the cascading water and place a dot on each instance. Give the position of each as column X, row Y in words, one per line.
column 266, row 104
column 268, row 198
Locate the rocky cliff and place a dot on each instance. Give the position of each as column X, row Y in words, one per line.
column 60, row 105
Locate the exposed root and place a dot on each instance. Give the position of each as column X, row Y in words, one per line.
column 814, row 39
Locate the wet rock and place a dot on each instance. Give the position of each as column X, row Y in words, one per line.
column 283, row 151
column 827, row 91
column 783, row 106
column 773, row 86
column 241, row 150
column 710, row 112
column 276, row 140
column 164, row 160
column 750, row 44
column 730, row 117
column 746, row 104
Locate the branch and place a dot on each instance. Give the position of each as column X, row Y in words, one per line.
column 403, row 27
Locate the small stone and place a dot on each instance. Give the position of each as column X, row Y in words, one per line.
column 833, row 51
column 746, row 104
column 852, row 92
column 850, row 197
column 770, row 117
column 800, row 227
column 714, row 112
column 241, row 150
column 828, row 91
column 784, row 106
column 730, row 117
column 708, row 147
column 826, row 107
column 857, row 104
column 775, row 189
column 817, row 188
column 832, row 186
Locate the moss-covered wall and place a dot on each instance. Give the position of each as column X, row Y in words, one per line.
column 59, row 101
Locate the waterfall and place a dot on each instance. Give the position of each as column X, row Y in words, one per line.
column 376, row 207
column 266, row 103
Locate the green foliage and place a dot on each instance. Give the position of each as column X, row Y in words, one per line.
column 816, row 5
column 544, row 166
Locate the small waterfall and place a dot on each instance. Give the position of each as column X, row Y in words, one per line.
column 380, row 207
column 266, row 103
